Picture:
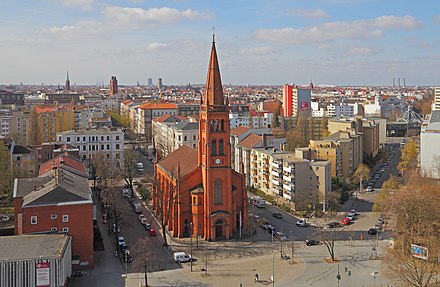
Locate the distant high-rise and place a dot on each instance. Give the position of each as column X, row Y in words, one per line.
column 159, row 83
column 296, row 100
column 67, row 82
column 150, row 82
column 113, row 86
column 436, row 102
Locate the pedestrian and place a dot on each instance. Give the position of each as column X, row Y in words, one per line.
column 256, row 278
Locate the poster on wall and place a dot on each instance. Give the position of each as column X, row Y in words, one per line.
column 304, row 106
column 43, row 273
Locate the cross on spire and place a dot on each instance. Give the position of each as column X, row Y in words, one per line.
column 213, row 34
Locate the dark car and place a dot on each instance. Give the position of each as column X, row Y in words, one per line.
column 271, row 229
column 128, row 257
column 333, row 224
column 124, row 247
column 311, row 242
column 277, row 215
column 372, row 231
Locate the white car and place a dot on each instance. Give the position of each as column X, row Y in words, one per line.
column 121, row 241
column 369, row 189
column 350, row 216
column 301, row 223
column 141, row 217
column 5, row 218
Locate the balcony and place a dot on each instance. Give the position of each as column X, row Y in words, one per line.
column 287, row 196
column 275, row 182
column 287, row 187
column 287, row 178
column 276, row 174
column 275, row 165
column 287, row 169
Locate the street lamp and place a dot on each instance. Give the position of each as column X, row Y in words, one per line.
column 191, row 240
column 273, row 267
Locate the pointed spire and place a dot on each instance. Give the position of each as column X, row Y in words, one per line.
column 214, row 90
column 67, row 75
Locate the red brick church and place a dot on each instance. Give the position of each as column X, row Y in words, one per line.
column 206, row 192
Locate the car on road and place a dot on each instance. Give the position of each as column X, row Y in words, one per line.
column 270, row 229
column 121, row 240
column 350, row 216
column 141, row 217
column 147, row 225
column 345, row 221
column 152, row 232
column 264, row 226
column 372, row 231
column 301, row 223
column 5, row 218
column 180, row 257
column 277, row 215
column 311, row 242
column 333, row 224
column 114, row 228
column 128, row 257
column 378, row 226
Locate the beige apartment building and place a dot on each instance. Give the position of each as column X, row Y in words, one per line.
column 288, row 176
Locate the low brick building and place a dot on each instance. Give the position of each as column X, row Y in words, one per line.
column 59, row 200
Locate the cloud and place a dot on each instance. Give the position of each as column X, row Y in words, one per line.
column 84, row 5
column 360, row 51
column 156, row 46
column 256, row 51
column 331, row 31
column 310, row 14
column 165, row 14
column 78, row 30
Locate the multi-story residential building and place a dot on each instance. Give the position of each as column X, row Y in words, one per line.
column 149, row 111
column 296, row 100
column 185, row 133
column 163, row 134
column 346, row 109
column 109, row 141
column 11, row 98
column 24, row 161
column 59, row 200
column 344, row 149
column 5, row 119
column 291, row 177
column 188, row 109
column 254, row 119
column 46, row 121
column 436, row 101
column 429, row 152
column 316, row 126
column 20, row 128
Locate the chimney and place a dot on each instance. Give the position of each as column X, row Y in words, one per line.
column 263, row 139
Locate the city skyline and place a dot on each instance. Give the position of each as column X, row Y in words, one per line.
column 339, row 42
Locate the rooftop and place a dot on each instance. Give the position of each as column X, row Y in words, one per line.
column 21, row 247
column 434, row 121
column 184, row 156
column 104, row 131
column 239, row 130
column 154, row 106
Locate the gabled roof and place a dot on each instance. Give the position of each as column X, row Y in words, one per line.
column 239, row 130
column 185, row 126
column 169, row 119
column 19, row 149
column 71, row 162
column 158, row 106
column 184, row 156
column 250, row 141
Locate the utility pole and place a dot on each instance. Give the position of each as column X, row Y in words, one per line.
column 293, row 249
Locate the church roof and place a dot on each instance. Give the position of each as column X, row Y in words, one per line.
column 214, row 89
column 239, row 130
column 186, row 156
column 250, row 141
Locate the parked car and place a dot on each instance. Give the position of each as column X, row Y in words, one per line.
column 121, row 240
column 124, row 248
column 345, row 221
column 350, row 216
column 141, row 217
column 311, row 242
column 277, row 215
column 378, row 226
column 333, row 224
column 152, row 232
column 147, row 225
column 5, row 218
column 128, row 257
column 369, row 189
column 181, row 257
column 301, row 223
column 372, row 231
column 264, row 226
column 270, row 229
column 114, row 228
column 125, row 192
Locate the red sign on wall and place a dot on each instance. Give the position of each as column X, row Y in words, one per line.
column 42, row 269
column 304, row 106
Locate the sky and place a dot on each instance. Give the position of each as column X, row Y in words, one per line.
column 259, row 42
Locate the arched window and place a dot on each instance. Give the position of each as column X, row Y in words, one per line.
column 211, row 125
column 220, row 147
column 214, row 147
column 218, row 192
column 222, row 125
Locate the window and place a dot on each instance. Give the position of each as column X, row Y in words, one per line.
column 65, row 229
column 222, row 125
column 218, row 192
column 117, row 138
column 102, row 147
column 117, row 146
column 68, row 139
column 180, row 138
column 108, row 146
column 194, row 137
column 18, row 158
column 214, row 147
column 108, row 138
column 194, row 200
column 65, row 218
column 53, row 229
column 53, row 216
column 220, row 147
column 77, row 139
column 185, row 138
column 102, row 138
column 84, row 139
column 84, row 147
column 34, row 220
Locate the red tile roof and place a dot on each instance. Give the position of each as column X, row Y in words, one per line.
column 62, row 159
column 166, row 116
column 157, row 106
column 239, row 130
column 45, row 109
column 184, row 156
column 250, row 141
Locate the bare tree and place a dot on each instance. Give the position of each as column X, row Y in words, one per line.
column 361, row 174
column 104, row 168
column 328, row 237
column 143, row 259
column 128, row 168
column 415, row 210
column 164, row 199
column 6, row 178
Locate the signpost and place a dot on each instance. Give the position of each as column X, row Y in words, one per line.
column 419, row 251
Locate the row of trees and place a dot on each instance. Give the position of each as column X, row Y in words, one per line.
column 7, row 177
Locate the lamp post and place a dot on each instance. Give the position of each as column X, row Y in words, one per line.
column 126, row 265
column 339, row 275
column 293, row 249
column 273, row 267
column 191, row 240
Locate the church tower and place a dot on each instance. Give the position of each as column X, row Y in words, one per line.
column 214, row 157
column 67, row 82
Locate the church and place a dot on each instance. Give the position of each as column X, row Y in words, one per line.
column 199, row 188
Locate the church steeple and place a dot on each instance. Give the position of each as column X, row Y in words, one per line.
column 67, row 82
column 214, row 90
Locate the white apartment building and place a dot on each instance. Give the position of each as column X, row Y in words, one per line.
column 429, row 142
column 436, row 102
column 5, row 118
column 258, row 119
column 92, row 141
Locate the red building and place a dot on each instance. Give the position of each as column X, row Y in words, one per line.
column 113, row 86
column 59, row 200
column 209, row 194
column 287, row 100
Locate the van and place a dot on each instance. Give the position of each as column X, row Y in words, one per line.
column 181, row 257
column 140, row 167
column 137, row 207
